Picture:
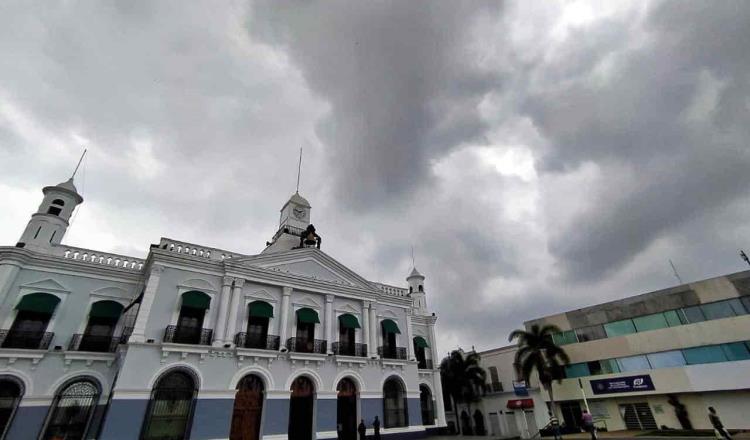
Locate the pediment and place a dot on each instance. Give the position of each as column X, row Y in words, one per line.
column 260, row 294
column 198, row 284
column 111, row 291
column 388, row 314
column 309, row 301
column 47, row 284
column 348, row 308
column 309, row 263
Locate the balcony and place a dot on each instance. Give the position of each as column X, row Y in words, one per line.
column 359, row 350
column 304, row 345
column 244, row 340
column 99, row 344
column 424, row 364
column 27, row 340
column 188, row 335
column 387, row 352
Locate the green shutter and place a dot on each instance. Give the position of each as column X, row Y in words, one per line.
column 306, row 315
column 389, row 326
column 106, row 309
column 420, row 342
column 261, row 309
column 349, row 321
column 196, row 300
column 38, row 302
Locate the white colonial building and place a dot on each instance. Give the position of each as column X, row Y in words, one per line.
column 203, row 343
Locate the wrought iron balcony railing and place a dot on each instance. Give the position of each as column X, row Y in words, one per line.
column 342, row 349
column 100, row 344
column 125, row 337
column 28, row 340
column 424, row 364
column 188, row 335
column 388, row 352
column 245, row 340
column 304, row 345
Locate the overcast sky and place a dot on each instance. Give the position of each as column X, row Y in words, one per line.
column 539, row 156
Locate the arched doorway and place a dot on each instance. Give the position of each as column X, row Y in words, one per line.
column 395, row 414
column 10, row 394
column 248, row 408
column 425, row 403
column 170, row 409
column 72, row 411
column 466, row 424
column 346, row 410
column 478, row 423
column 301, row 408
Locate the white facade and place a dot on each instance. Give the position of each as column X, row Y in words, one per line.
column 307, row 293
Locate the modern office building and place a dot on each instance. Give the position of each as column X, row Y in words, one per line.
column 659, row 359
column 203, row 343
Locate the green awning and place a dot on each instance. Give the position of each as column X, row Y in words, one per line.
column 38, row 302
column 389, row 326
column 348, row 321
column 420, row 342
column 261, row 309
column 196, row 300
column 106, row 309
column 307, row 315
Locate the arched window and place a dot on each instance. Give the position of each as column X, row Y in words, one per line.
column 248, row 409
column 29, row 328
column 421, row 288
column 189, row 328
column 301, row 407
column 58, row 202
column 478, row 423
column 54, row 210
column 419, row 351
column 259, row 316
column 466, row 424
column 348, row 324
column 170, row 409
column 495, row 383
column 103, row 319
column 11, row 391
column 389, row 330
column 426, row 405
column 72, row 410
column 395, row 408
column 305, row 340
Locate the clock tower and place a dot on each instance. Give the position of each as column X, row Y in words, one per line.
column 293, row 219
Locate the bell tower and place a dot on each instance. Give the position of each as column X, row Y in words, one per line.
column 417, row 293
column 48, row 225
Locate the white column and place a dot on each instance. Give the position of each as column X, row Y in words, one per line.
column 439, row 404
column 433, row 347
column 139, row 328
column 284, row 321
column 221, row 319
column 329, row 324
column 234, row 306
column 373, row 331
column 410, row 338
column 366, row 326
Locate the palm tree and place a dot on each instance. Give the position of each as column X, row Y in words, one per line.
column 463, row 379
column 537, row 351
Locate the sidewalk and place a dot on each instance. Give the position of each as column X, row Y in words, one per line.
column 634, row 435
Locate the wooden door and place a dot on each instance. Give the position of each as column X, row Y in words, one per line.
column 248, row 408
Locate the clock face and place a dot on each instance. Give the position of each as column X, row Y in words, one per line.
column 299, row 213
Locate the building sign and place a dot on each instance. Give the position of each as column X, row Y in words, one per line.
column 519, row 388
column 520, row 404
column 629, row 384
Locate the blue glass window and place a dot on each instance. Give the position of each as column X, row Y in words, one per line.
column 650, row 322
column 577, row 370
column 590, row 333
column 564, row 338
column 718, row 310
column 736, row 351
column 609, row 366
column 619, row 328
column 737, row 306
column 666, row 359
column 633, row 363
column 693, row 314
column 746, row 302
column 673, row 319
column 704, row 355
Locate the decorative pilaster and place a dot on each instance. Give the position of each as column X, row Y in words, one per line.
column 366, row 326
column 373, row 331
column 329, row 324
column 433, row 346
column 284, row 324
column 410, row 337
column 234, row 309
column 152, row 285
column 439, row 404
column 221, row 321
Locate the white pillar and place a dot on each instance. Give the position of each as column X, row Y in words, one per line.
column 329, row 324
column 366, row 326
column 284, row 321
column 373, row 331
column 139, row 328
column 221, row 321
column 234, row 309
column 410, row 338
column 433, row 347
column 439, row 404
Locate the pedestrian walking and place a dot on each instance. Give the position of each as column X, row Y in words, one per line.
column 362, row 429
column 588, row 424
column 376, row 427
column 554, row 424
column 721, row 431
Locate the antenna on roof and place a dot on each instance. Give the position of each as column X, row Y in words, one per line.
column 79, row 163
column 299, row 168
column 674, row 269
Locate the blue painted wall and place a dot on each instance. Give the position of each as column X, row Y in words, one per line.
column 327, row 414
column 212, row 419
column 370, row 408
column 275, row 416
column 124, row 419
column 27, row 422
column 415, row 412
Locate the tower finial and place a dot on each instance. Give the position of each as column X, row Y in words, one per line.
column 79, row 163
column 299, row 168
